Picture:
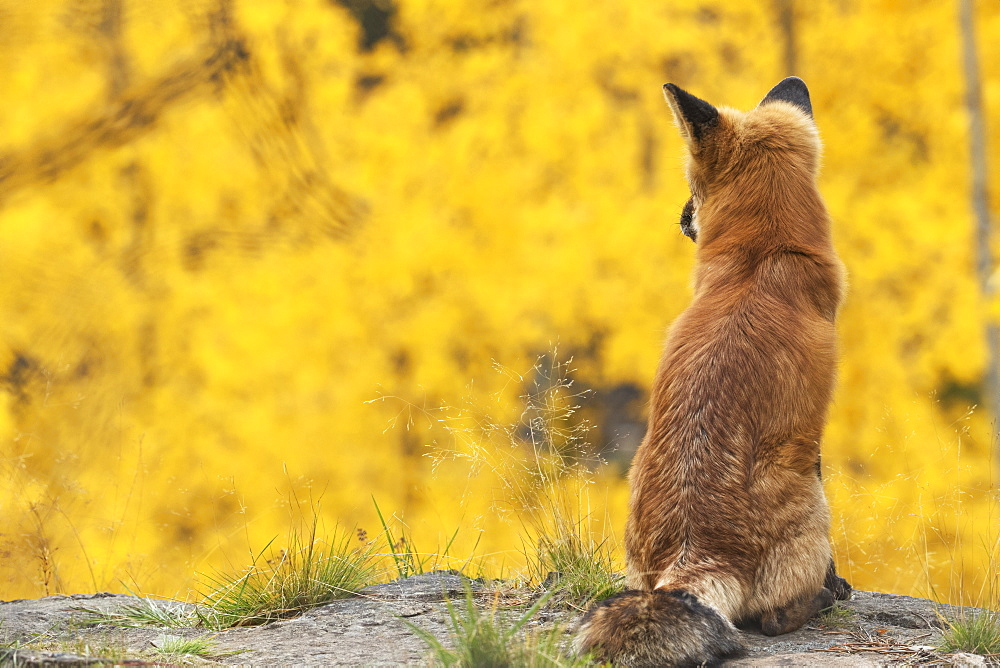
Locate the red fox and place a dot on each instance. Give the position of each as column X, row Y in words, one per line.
column 727, row 521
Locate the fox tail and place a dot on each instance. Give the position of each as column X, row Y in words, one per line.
column 643, row 629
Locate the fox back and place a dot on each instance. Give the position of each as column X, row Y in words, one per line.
column 727, row 508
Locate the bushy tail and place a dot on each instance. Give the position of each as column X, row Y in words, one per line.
column 656, row 628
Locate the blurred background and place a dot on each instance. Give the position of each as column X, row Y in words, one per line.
column 255, row 255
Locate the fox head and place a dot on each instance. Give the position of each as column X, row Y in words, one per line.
column 735, row 155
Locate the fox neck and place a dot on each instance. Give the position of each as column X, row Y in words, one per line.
column 784, row 214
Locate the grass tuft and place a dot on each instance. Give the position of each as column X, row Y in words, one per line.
column 144, row 612
column 978, row 633
column 103, row 648
column 308, row 573
column 580, row 568
column 202, row 646
column 837, row 617
column 485, row 638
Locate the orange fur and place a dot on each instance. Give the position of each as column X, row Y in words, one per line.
column 726, row 500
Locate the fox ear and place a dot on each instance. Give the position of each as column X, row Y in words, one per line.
column 694, row 116
column 793, row 90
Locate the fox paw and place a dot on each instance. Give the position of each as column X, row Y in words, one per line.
column 840, row 587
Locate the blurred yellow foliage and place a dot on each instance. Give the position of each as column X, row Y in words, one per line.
column 226, row 226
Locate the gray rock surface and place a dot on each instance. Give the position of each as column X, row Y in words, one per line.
column 372, row 629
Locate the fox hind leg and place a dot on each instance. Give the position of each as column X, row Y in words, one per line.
column 795, row 614
column 840, row 587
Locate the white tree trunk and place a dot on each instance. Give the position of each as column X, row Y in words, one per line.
column 980, row 198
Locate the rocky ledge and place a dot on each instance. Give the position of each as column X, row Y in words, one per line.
column 373, row 628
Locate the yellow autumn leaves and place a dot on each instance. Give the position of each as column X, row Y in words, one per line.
column 226, row 227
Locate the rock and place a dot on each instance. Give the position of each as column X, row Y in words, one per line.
column 436, row 586
column 376, row 628
column 903, row 611
column 805, row 659
column 966, row 659
column 26, row 617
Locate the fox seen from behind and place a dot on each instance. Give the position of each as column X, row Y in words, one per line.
column 728, row 523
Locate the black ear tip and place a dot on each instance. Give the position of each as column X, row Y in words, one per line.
column 794, row 83
column 793, row 90
column 697, row 114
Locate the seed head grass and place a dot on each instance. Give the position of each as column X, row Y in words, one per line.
column 968, row 630
column 545, row 464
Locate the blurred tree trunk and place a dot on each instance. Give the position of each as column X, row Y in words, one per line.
column 785, row 13
column 111, row 27
column 980, row 196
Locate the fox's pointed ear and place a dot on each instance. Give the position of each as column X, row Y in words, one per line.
column 694, row 116
column 793, row 90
